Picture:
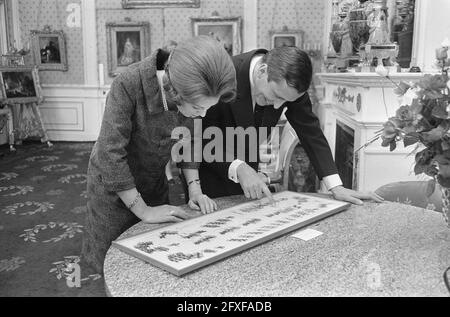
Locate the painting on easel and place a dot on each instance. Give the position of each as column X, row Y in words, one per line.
column 20, row 84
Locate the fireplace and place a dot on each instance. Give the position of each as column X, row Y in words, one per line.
column 345, row 147
column 355, row 107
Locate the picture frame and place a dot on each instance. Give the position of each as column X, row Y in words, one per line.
column 49, row 49
column 286, row 37
column 20, row 85
column 225, row 30
column 127, row 43
column 184, row 247
column 141, row 4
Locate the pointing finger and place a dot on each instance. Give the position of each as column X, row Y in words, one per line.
column 268, row 194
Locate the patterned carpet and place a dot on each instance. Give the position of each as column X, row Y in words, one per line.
column 42, row 207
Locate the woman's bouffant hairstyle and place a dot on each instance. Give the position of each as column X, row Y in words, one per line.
column 200, row 67
column 289, row 63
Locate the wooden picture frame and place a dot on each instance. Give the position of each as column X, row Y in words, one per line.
column 127, row 43
column 225, row 30
column 49, row 49
column 184, row 247
column 141, row 4
column 20, row 84
column 286, row 37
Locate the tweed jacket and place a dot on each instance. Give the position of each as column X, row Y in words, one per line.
column 135, row 142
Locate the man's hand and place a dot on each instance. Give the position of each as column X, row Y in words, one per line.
column 252, row 184
column 354, row 197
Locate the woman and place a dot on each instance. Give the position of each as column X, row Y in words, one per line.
column 126, row 174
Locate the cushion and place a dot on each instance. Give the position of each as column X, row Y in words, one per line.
column 412, row 193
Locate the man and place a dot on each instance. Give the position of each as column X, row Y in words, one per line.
column 267, row 83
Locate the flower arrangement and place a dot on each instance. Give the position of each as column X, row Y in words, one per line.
column 423, row 119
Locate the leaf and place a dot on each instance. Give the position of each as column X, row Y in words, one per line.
column 393, row 146
column 431, row 94
column 410, row 140
column 402, row 88
column 431, row 186
column 445, row 145
column 443, row 181
column 386, row 142
column 440, row 111
column 434, row 135
column 420, row 169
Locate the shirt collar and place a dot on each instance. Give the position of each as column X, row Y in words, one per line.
column 253, row 64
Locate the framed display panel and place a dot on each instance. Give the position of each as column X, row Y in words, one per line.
column 127, row 43
column 49, row 49
column 225, row 30
column 187, row 246
column 20, row 84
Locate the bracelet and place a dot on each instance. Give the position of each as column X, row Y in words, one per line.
column 194, row 181
column 135, row 201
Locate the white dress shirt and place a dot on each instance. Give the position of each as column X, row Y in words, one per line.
column 330, row 181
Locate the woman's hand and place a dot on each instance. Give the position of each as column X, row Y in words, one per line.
column 198, row 201
column 201, row 202
column 163, row 214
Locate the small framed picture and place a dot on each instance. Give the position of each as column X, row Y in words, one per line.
column 286, row 37
column 20, row 84
column 225, row 30
column 128, row 43
column 140, row 4
column 49, row 49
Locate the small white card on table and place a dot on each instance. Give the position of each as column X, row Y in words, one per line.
column 307, row 234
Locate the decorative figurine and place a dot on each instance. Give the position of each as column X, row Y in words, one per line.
column 379, row 51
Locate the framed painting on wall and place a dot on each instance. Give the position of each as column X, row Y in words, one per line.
column 139, row 4
column 127, row 43
column 49, row 49
column 225, row 30
column 20, row 84
column 286, row 37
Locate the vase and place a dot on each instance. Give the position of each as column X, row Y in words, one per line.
column 359, row 29
column 337, row 33
column 359, row 33
column 446, row 204
column 336, row 40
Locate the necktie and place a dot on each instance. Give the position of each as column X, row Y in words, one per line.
column 259, row 113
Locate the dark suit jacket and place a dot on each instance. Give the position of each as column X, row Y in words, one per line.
column 214, row 176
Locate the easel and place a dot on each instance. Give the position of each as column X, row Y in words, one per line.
column 15, row 59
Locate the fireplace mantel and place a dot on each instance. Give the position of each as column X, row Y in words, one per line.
column 367, row 80
column 363, row 102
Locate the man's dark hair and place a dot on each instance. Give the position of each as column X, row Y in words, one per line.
column 289, row 63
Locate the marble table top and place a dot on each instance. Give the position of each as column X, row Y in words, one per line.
column 384, row 249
